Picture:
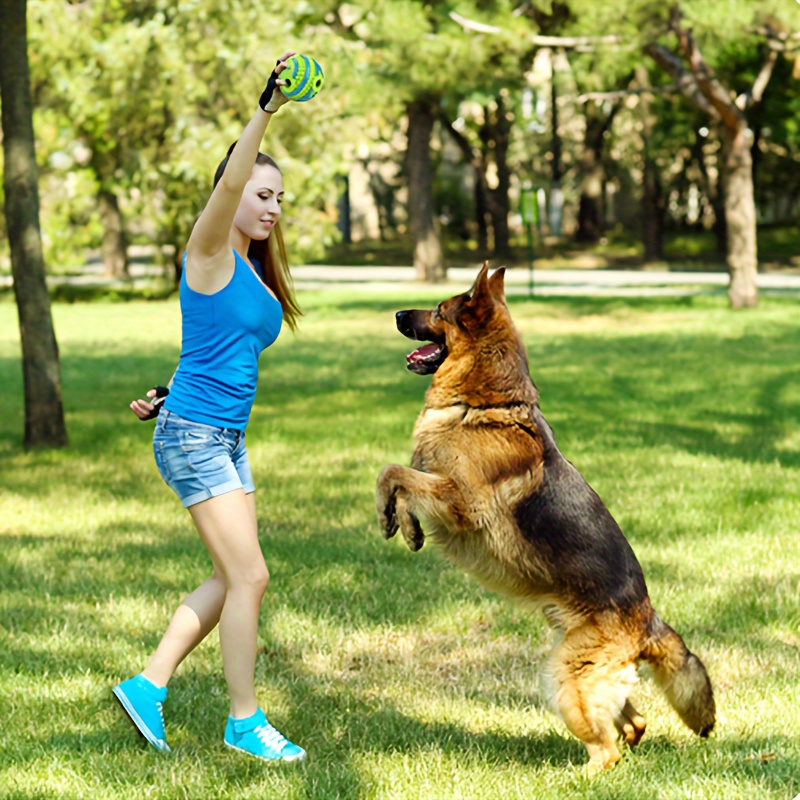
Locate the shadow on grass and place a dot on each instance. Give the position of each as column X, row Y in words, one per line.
column 337, row 722
column 384, row 585
column 338, row 728
column 341, row 726
column 374, row 727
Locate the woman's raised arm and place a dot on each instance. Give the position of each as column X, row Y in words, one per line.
column 209, row 243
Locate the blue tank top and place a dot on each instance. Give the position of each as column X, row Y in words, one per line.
column 223, row 335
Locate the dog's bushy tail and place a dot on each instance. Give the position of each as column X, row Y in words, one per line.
column 681, row 676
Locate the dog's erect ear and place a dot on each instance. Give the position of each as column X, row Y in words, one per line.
column 480, row 286
column 497, row 284
column 485, row 286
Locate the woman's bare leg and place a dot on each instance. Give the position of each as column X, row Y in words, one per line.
column 194, row 619
column 228, row 528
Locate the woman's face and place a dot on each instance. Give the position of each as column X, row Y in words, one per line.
column 260, row 206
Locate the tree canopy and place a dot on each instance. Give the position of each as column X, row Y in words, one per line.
column 136, row 101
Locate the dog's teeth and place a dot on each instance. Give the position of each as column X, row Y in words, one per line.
column 425, row 353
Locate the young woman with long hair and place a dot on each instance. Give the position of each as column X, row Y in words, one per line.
column 235, row 293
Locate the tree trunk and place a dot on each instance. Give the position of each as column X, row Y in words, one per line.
column 114, row 248
column 382, row 187
column 652, row 196
column 653, row 210
column 590, row 203
column 708, row 94
column 428, row 259
column 343, row 209
column 481, row 212
column 44, row 413
column 720, row 228
column 481, row 191
column 555, row 136
column 496, row 136
column 556, row 208
column 590, row 206
column 740, row 216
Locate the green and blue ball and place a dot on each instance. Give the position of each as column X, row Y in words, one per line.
column 304, row 78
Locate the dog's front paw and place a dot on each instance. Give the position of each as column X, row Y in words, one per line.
column 409, row 526
column 387, row 518
column 413, row 535
column 386, row 502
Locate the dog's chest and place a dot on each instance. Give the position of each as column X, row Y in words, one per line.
column 493, row 467
column 491, row 456
column 437, row 421
column 438, row 440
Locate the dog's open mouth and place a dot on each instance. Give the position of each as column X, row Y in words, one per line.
column 427, row 359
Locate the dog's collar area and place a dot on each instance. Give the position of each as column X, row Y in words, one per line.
column 530, row 431
column 503, row 406
column 499, row 414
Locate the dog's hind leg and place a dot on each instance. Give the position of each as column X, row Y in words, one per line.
column 588, row 680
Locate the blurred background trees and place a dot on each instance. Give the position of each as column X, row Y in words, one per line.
column 647, row 133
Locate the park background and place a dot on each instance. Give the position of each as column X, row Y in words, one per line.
column 655, row 141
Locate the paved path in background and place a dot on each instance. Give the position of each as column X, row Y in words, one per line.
column 586, row 282
column 593, row 282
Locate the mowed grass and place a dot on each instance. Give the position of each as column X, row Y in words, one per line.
column 402, row 677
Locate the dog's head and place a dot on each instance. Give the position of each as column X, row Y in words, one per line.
column 458, row 325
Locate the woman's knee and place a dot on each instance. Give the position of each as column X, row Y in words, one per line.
column 254, row 579
column 260, row 579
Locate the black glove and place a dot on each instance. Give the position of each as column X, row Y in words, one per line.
column 158, row 401
column 272, row 98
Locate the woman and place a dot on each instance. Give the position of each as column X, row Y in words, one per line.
column 229, row 315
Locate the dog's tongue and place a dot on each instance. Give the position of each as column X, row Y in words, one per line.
column 422, row 352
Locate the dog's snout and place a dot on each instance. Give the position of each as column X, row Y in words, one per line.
column 415, row 324
column 404, row 321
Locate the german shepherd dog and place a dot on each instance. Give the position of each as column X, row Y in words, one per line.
column 488, row 485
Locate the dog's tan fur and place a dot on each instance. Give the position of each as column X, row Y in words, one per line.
column 490, row 488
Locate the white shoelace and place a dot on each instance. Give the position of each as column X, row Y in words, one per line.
column 271, row 737
column 160, row 707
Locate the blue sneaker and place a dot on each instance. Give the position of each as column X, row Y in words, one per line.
column 143, row 701
column 254, row 735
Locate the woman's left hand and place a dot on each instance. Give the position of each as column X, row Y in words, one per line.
column 272, row 98
column 149, row 410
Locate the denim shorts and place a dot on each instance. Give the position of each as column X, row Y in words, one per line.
column 200, row 461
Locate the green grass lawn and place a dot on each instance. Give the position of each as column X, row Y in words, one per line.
column 401, row 677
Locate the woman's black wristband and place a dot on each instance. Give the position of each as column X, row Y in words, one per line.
column 269, row 91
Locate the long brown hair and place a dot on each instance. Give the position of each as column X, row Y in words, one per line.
column 271, row 254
